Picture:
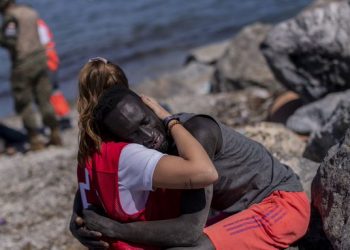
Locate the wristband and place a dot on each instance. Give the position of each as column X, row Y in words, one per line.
column 168, row 119
column 172, row 125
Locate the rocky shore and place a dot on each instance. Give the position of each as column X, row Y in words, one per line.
column 232, row 81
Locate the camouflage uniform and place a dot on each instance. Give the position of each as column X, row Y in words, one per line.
column 29, row 78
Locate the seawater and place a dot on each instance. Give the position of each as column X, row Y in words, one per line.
column 145, row 37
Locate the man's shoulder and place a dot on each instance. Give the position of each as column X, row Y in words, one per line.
column 195, row 118
column 201, row 123
column 20, row 9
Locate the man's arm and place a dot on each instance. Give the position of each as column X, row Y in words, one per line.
column 184, row 230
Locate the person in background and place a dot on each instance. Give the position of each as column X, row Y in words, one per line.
column 260, row 201
column 29, row 77
column 12, row 140
column 58, row 101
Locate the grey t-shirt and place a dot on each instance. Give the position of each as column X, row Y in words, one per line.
column 247, row 171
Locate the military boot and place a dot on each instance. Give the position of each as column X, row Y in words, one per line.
column 55, row 137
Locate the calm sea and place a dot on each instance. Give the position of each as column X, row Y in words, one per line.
column 145, row 37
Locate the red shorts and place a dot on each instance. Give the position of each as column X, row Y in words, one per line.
column 275, row 223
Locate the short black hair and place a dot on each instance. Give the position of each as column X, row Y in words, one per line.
column 108, row 101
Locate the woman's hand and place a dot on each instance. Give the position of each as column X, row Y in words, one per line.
column 155, row 106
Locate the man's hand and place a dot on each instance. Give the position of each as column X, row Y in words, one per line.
column 98, row 223
column 90, row 239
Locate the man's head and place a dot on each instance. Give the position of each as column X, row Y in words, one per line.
column 127, row 118
column 4, row 4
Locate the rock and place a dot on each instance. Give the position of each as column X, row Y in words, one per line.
column 330, row 134
column 313, row 117
column 309, row 54
column 315, row 238
column 237, row 108
column 208, row 54
column 318, row 3
column 331, row 195
column 242, row 64
column 192, row 80
column 36, row 195
column 277, row 139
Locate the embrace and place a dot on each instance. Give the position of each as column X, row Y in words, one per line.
column 152, row 180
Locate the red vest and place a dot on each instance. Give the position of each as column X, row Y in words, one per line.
column 98, row 184
column 52, row 58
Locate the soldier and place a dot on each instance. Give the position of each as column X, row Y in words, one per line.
column 29, row 77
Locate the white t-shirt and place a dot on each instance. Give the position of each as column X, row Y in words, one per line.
column 136, row 167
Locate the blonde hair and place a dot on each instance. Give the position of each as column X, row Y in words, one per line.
column 94, row 78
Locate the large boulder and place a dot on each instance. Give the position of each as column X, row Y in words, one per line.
column 312, row 117
column 331, row 194
column 208, row 54
column 242, row 64
column 330, row 134
column 318, row 3
column 309, row 54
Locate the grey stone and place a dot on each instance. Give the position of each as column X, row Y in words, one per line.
column 318, row 3
column 36, row 195
column 331, row 194
column 330, row 134
column 312, row 117
column 310, row 54
column 193, row 79
column 236, row 108
column 207, row 54
column 242, row 64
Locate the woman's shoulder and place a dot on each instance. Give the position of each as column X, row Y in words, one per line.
column 112, row 146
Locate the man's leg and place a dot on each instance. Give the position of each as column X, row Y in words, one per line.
column 203, row 243
column 23, row 98
column 42, row 91
column 275, row 223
